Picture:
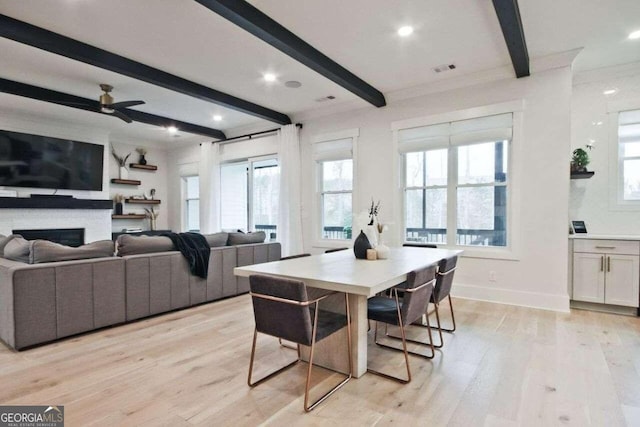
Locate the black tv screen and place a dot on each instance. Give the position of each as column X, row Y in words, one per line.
column 45, row 162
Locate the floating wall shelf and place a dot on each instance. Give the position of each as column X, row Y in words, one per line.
column 142, row 201
column 144, row 167
column 126, row 181
column 129, row 216
column 582, row 175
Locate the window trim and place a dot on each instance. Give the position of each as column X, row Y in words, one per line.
column 616, row 169
column 185, row 201
column 516, row 166
column 354, row 133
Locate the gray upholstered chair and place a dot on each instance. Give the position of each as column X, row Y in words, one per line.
column 402, row 313
column 294, row 256
column 442, row 290
column 283, row 309
column 328, row 251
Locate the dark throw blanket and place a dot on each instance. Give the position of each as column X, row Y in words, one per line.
column 195, row 248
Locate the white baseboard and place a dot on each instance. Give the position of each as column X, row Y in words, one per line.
column 511, row 297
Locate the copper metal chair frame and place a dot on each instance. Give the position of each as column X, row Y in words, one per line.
column 307, row 407
column 403, row 338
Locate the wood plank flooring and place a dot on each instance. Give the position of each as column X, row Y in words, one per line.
column 505, row 366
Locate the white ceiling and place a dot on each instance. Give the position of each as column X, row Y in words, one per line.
column 186, row 39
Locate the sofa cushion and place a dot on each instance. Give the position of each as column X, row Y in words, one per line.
column 244, row 239
column 46, row 251
column 18, row 249
column 216, row 240
column 6, row 239
column 134, row 245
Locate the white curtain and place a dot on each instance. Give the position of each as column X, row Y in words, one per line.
column 209, row 173
column 289, row 215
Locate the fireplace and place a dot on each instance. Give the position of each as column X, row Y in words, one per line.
column 65, row 236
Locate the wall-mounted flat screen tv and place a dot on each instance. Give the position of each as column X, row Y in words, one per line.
column 44, row 162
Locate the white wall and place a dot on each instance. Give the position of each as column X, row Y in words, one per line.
column 538, row 276
column 590, row 199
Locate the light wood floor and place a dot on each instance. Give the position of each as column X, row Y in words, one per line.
column 505, row 366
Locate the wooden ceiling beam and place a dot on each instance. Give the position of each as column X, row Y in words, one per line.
column 251, row 19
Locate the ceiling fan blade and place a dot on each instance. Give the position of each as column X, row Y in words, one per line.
column 121, row 116
column 126, row 104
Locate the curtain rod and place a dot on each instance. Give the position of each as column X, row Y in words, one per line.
column 251, row 135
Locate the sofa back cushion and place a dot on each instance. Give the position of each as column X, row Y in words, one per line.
column 4, row 240
column 217, row 240
column 240, row 238
column 134, row 245
column 17, row 249
column 46, row 251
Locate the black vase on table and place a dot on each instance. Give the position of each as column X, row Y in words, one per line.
column 361, row 245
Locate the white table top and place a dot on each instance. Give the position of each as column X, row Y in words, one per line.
column 341, row 271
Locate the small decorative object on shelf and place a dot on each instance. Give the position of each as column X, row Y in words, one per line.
column 579, row 161
column 361, row 245
column 152, row 214
column 123, row 173
column 118, row 199
column 143, row 152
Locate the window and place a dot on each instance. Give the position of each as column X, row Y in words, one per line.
column 249, row 195
column 629, row 157
column 191, row 191
column 456, row 181
column 334, row 166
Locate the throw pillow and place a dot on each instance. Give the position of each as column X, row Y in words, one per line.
column 46, row 251
column 217, row 239
column 244, row 239
column 18, row 249
column 134, row 245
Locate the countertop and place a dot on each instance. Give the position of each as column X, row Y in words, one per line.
column 603, row 236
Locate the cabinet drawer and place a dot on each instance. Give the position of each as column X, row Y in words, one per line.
column 624, row 247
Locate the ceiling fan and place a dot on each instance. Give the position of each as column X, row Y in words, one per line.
column 107, row 106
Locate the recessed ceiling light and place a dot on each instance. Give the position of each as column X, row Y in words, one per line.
column 217, row 118
column 596, row 123
column 610, row 91
column 172, row 129
column 405, row 31
column 293, row 84
column 635, row 35
column 269, row 77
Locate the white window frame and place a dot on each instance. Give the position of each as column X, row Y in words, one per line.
column 185, row 200
column 249, row 163
column 616, row 178
column 353, row 134
column 512, row 250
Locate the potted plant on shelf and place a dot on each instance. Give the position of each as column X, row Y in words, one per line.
column 579, row 160
column 123, row 173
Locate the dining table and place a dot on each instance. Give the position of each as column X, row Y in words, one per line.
column 361, row 279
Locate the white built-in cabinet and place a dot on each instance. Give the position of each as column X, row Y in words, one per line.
column 606, row 271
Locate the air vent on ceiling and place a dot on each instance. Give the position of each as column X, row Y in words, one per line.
column 445, row 67
column 326, row 98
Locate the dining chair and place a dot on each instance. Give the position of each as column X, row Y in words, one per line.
column 328, row 251
column 282, row 308
column 403, row 312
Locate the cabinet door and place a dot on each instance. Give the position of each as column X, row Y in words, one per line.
column 588, row 277
column 621, row 283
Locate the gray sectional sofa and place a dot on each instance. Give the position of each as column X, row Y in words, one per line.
column 48, row 301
